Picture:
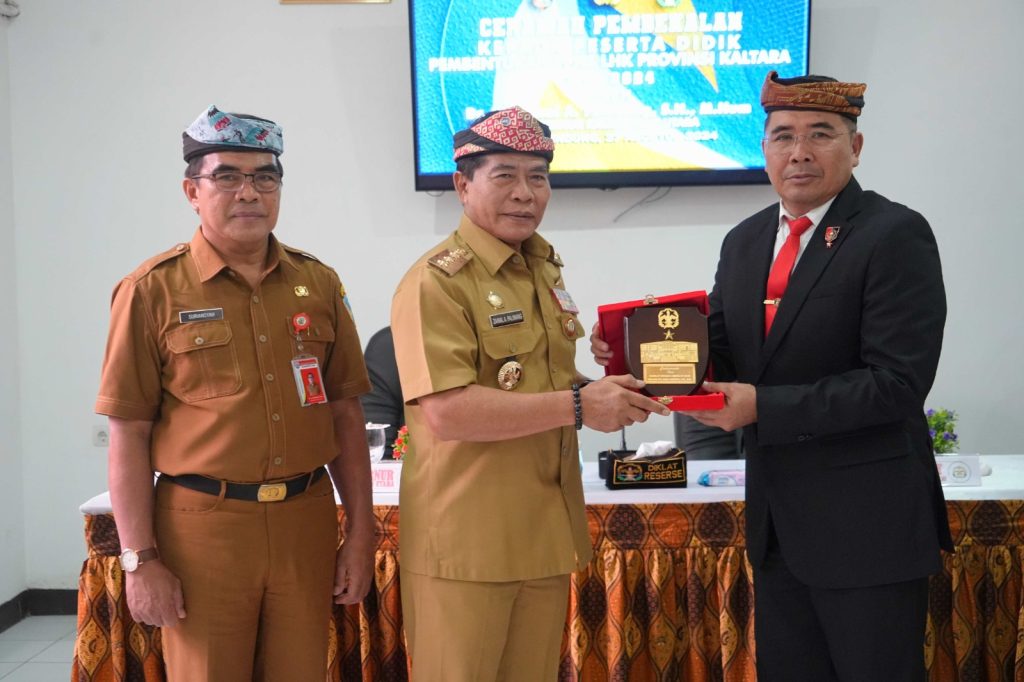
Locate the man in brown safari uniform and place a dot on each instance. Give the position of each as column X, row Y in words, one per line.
column 211, row 350
column 492, row 516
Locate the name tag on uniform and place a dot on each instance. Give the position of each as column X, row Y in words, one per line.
column 201, row 315
column 505, row 319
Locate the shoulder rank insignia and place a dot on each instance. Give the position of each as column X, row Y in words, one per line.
column 450, row 260
column 344, row 299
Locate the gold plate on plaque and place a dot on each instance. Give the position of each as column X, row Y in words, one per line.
column 670, row 373
column 667, row 346
column 669, row 351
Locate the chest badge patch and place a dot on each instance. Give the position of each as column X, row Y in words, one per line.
column 564, row 301
column 496, row 301
column 569, row 327
column 509, row 375
column 301, row 291
column 831, row 234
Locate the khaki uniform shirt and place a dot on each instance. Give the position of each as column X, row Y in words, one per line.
column 494, row 511
column 220, row 388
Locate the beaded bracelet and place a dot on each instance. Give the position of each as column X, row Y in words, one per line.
column 577, row 406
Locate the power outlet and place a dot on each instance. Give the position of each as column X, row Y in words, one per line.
column 100, row 436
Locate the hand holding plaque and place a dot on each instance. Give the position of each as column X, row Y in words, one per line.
column 663, row 341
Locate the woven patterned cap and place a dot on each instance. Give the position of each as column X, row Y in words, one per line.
column 813, row 93
column 505, row 130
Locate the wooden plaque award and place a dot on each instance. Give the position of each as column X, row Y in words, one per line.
column 667, row 346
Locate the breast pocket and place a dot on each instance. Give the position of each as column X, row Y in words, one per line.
column 318, row 343
column 502, row 345
column 203, row 361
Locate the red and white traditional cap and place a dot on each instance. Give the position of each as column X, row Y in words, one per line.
column 505, row 130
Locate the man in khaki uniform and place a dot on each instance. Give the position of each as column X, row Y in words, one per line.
column 213, row 348
column 492, row 515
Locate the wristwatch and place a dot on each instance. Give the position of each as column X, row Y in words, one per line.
column 131, row 559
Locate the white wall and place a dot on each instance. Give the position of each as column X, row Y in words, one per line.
column 101, row 90
column 12, row 517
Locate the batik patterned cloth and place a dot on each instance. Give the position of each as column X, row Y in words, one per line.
column 505, row 130
column 215, row 130
column 668, row 596
column 814, row 93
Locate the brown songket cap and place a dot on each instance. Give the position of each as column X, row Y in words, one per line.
column 813, row 93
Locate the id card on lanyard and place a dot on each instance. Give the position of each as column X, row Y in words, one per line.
column 309, row 381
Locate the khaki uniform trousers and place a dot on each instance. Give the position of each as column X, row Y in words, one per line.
column 257, row 580
column 466, row 631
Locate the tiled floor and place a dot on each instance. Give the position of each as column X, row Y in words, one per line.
column 38, row 649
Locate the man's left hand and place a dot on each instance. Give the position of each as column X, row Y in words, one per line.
column 740, row 406
column 353, row 572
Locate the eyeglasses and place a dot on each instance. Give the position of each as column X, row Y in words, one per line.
column 782, row 143
column 232, row 181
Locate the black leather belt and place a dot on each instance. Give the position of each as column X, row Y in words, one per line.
column 253, row 492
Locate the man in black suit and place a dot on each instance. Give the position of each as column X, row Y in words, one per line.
column 825, row 344
column 845, row 516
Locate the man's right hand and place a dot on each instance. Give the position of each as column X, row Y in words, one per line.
column 154, row 595
column 612, row 402
column 598, row 347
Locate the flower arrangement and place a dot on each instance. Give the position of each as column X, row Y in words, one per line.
column 941, row 423
column 401, row 443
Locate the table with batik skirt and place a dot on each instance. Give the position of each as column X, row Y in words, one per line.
column 668, row 596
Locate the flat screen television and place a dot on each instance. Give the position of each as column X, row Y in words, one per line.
column 636, row 92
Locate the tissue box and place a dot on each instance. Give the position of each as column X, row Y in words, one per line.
column 667, row 471
column 610, row 318
column 959, row 469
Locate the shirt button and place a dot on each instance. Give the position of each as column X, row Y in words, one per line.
column 179, row 247
column 263, row 338
column 255, row 299
column 276, row 417
column 270, row 377
column 517, row 260
column 277, row 460
column 200, row 340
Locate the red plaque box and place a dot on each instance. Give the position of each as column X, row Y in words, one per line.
column 611, row 317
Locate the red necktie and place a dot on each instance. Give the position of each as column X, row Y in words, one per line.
column 783, row 265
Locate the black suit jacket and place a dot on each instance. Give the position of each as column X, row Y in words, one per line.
column 383, row 404
column 840, row 459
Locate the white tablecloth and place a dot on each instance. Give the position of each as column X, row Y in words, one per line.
column 1005, row 483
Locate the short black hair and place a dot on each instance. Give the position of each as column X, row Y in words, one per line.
column 468, row 165
column 195, row 166
column 851, row 124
